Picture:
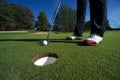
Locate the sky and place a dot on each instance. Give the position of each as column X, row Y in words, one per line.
column 49, row 7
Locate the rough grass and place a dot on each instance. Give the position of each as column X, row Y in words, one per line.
column 75, row 62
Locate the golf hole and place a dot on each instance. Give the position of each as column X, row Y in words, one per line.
column 45, row 59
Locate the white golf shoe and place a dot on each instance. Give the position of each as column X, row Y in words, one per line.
column 73, row 37
column 93, row 39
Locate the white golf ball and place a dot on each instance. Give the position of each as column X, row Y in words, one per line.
column 45, row 42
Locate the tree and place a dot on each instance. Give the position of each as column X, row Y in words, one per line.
column 3, row 7
column 87, row 26
column 108, row 25
column 5, row 22
column 15, row 16
column 43, row 22
column 72, row 17
column 66, row 19
column 24, row 17
column 3, row 13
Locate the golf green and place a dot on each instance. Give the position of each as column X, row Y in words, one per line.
column 75, row 62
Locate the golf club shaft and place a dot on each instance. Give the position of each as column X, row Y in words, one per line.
column 53, row 19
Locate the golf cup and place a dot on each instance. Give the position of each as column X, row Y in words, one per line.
column 45, row 59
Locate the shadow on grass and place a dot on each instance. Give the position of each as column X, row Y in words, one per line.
column 50, row 40
column 62, row 41
column 78, row 42
column 19, row 39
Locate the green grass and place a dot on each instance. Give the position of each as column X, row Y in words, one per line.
column 101, row 62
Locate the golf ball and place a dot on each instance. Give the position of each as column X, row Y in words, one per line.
column 45, row 42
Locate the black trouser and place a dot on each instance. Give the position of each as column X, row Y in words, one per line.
column 98, row 16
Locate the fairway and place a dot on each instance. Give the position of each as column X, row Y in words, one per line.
column 75, row 62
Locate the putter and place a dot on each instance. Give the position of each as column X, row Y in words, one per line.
column 53, row 19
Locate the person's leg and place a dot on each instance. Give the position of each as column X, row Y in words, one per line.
column 81, row 12
column 98, row 16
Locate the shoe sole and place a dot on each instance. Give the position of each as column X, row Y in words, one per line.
column 68, row 38
column 90, row 42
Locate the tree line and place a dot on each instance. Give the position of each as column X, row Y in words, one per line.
column 65, row 21
column 18, row 17
column 15, row 16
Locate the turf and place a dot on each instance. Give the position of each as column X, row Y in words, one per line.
column 75, row 62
